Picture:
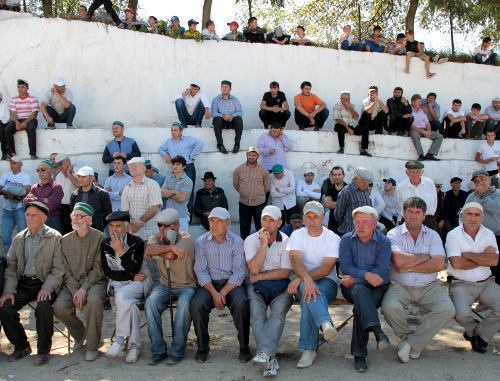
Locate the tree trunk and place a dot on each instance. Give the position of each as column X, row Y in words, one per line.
column 250, row 8
column 359, row 22
column 47, row 8
column 207, row 9
column 410, row 16
column 451, row 35
column 133, row 4
column 24, row 6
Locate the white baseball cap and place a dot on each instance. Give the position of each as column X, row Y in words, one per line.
column 85, row 171
column 272, row 211
column 219, row 212
column 59, row 81
column 137, row 160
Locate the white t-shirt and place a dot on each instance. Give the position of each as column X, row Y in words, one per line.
column 8, row 180
column 453, row 113
column 487, row 152
column 308, row 190
column 276, row 255
column 315, row 249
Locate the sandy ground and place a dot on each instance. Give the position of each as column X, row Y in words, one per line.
column 447, row 357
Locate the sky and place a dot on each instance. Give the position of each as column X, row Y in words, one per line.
column 224, row 11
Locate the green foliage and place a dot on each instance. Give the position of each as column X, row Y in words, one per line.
column 65, row 8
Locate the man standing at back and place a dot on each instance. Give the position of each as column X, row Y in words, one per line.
column 273, row 146
column 119, row 146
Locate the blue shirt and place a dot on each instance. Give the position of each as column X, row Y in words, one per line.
column 230, row 106
column 357, row 258
column 187, row 147
column 114, row 185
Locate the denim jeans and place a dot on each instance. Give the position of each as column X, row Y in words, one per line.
column 11, row 219
column 156, row 303
column 314, row 313
column 357, row 47
column 267, row 330
column 492, row 60
column 54, row 222
column 184, row 116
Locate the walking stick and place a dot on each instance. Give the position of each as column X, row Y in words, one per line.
column 170, row 298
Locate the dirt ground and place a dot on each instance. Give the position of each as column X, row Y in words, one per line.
column 447, row 357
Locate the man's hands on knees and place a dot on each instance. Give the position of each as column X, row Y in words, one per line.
column 7, row 297
column 79, row 298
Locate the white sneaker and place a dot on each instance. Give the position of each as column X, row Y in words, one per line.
column 329, row 331
column 307, row 359
column 272, row 369
column 261, row 358
column 114, row 349
column 132, row 355
column 404, row 350
column 414, row 354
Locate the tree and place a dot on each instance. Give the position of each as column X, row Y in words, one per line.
column 207, row 10
column 133, row 4
column 47, row 8
column 410, row 16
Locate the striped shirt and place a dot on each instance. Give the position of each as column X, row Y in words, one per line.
column 230, row 106
column 24, row 107
column 220, row 261
column 252, row 182
column 350, row 198
column 137, row 199
column 428, row 242
column 187, row 147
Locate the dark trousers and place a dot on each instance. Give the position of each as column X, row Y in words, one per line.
column 430, row 222
column 358, row 131
column 367, row 123
column 450, row 130
column 303, row 121
column 185, row 118
column 246, row 215
column 30, row 130
column 435, row 125
column 237, row 302
column 3, row 139
column 389, row 224
column 269, row 117
column 474, row 130
column 399, row 124
column 286, row 214
column 190, row 171
column 494, row 125
column 366, row 299
column 44, row 315
column 66, row 117
column 64, row 212
column 236, row 124
column 108, row 6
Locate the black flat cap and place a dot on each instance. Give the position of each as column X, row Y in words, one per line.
column 414, row 164
column 119, row 215
column 40, row 206
column 453, row 179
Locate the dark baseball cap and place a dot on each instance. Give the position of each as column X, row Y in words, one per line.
column 390, row 180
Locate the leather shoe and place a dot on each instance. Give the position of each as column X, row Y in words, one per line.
column 421, row 158
column 18, row 355
column 245, row 355
column 236, row 148
column 430, row 156
column 201, row 356
column 222, row 149
column 478, row 344
column 156, row 359
column 360, row 364
column 41, row 359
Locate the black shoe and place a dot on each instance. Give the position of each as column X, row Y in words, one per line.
column 51, row 126
column 360, row 364
column 107, row 305
column 222, row 149
column 236, row 148
column 172, row 360
column 341, row 150
column 316, row 128
column 430, row 156
column 245, row 355
column 365, row 153
column 18, row 355
column 478, row 344
column 201, row 356
column 421, row 158
column 4, row 156
column 69, row 125
column 156, row 359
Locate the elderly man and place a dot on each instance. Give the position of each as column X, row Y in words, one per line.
column 313, row 251
column 310, row 110
column 274, row 106
column 353, row 196
column 417, row 185
column 346, row 120
column 174, row 252
column 421, row 127
column 220, row 270
column 374, row 114
column 471, row 249
column 69, row 182
column 23, row 112
column 115, row 183
column 93, row 195
column 227, row 114
column 84, row 286
column 270, row 268
column 273, row 146
column 120, row 146
column 122, row 256
column 35, row 272
column 186, row 146
column 47, row 191
column 57, row 105
column 417, row 257
column 191, row 105
column 283, row 192
column 365, row 256
column 14, row 185
column 330, row 190
column 252, row 182
column 489, row 198
column 208, row 198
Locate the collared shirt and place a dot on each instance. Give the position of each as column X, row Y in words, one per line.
column 285, row 197
column 137, row 198
column 30, row 250
column 52, row 191
column 187, row 147
column 428, row 242
column 220, row 261
column 210, row 35
column 341, row 112
column 357, row 257
column 205, row 200
column 8, row 181
column 436, row 107
column 252, row 183
column 492, row 112
column 458, row 242
column 426, row 190
column 378, row 202
column 24, row 107
column 491, row 208
column 487, row 152
column 181, row 184
column 67, row 186
column 481, row 50
column 420, row 119
column 350, row 198
column 267, row 142
column 53, row 101
column 391, row 206
column 191, row 102
column 230, row 106
column 276, row 255
column 4, row 111
column 114, row 185
column 234, row 37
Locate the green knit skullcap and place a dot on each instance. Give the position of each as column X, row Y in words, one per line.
column 156, row 170
column 178, row 124
column 118, row 123
column 48, row 162
column 85, row 208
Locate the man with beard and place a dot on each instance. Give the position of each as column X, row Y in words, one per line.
column 400, row 117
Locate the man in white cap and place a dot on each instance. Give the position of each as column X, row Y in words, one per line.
column 252, row 182
column 14, row 185
column 365, row 256
column 220, row 268
column 69, row 182
column 313, row 251
column 307, row 189
column 4, row 121
column 353, row 196
column 191, row 105
column 270, row 269
column 57, row 105
column 93, row 195
column 471, row 248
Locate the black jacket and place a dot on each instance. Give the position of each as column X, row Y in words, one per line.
column 206, row 201
column 99, row 199
column 131, row 261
